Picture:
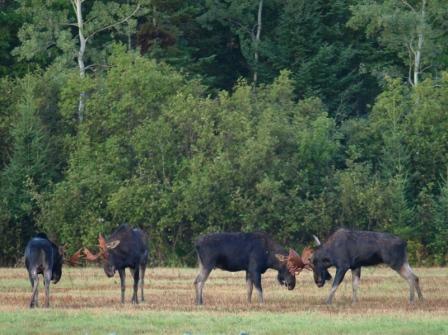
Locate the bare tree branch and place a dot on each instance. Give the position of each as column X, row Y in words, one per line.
column 70, row 25
column 408, row 5
column 93, row 66
column 426, row 68
column 73, row 2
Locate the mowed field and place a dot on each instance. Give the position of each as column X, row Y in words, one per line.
column 85, row 301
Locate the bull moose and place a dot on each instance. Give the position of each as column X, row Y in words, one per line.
column 44, row 257
column 350, row 250
column 250, row 252
column 125, row 248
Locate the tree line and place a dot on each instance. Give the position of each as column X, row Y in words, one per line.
column 186, row 117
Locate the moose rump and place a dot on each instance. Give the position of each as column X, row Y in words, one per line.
column 250, row 252
column 43, row 257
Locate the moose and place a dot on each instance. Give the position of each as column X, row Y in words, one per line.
column 250, row 252
column 125, row 248
column 350, row 250
column 44, row 257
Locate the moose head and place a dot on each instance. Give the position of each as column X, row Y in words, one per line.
column 104, row 254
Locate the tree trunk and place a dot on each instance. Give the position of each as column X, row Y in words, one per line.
column 82, row 48
column 257, row 41
column 154, row 19
column 418, row 52
column 129, row 34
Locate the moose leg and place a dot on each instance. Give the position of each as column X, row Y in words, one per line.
column 256, row 279
column 406, row 272
column 47, row 281
column 340, row 273
column 356, row 278
column 122, row 274
column 250, row 286
column 142, row 281
column 136, row 274
column 417, row 287
column 34, row 283
column 36, row 298
column 199, row 283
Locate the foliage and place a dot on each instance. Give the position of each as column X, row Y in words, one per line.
column 51, row 30
column 179, row 139
column 410, row 29
column 28, row 171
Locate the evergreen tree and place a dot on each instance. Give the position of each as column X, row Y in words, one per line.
column 27, row 173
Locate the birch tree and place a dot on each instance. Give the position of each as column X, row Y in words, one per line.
column 70, row 31
column 256, row 39
column 244, row 18
column 407, row 27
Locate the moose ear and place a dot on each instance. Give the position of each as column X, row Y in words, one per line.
column 113, row 244
column 281, row 258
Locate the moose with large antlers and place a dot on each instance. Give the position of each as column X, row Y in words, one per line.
column 250, row 252
column 350, row 250
column 125, row 248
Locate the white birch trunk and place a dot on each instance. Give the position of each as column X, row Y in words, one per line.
column 418, row 52
column 82, row 48
column 257, row 40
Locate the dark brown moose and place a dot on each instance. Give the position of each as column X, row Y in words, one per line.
column 350, row 250
column 125, row 248
column 44, row 257
column 250, row 252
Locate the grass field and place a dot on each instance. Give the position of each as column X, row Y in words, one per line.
column 85, row 301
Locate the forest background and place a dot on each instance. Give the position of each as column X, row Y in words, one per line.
column 184, row 117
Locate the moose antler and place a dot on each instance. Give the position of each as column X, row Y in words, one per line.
column 70, row 260
column 104, row 246
column 316, row 240
column 102, row 243
column 91, row 257
column 307, row 254
column 296, row 263
column 74, row 259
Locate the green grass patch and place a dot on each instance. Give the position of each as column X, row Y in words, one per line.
column 92, row 322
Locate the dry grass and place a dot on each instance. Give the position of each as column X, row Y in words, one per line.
column 85, row 301
column 381, row 291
